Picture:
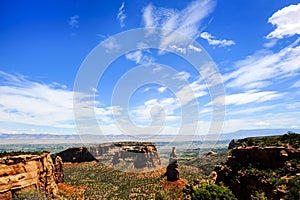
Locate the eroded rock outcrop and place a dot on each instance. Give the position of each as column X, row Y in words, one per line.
column 76, row 155
column 173, row 168
column 139, row 154
column 58, row 171
column 22, row 172
column 266, row 165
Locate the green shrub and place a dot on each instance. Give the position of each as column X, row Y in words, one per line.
column 212, row 192
column 258, row 196
column 33, row 194
column 293, row 187
column 161, row 195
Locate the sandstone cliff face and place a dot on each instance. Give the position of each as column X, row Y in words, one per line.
column 58, row 170
column 28, row 171
column 263, row 158
column 139, row 154
column 269, row 170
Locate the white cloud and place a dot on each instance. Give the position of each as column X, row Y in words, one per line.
column 191, row 92
column 183, row 49
column 177, row 48
column 33, row 103
column 148, row 17
column 146, row 89
column 296, row 84
column 135, row 56
column 36, row 107
column 162, row 89
column 74, row 21
column 251, row 96
column 121, row 15
column 263, row 68
column 157, row 68
column 249, row 111
column 139, row 58
column 192, row 47
column 186, row 21
column 182, row 76
column 211, row 74
column 287, row 22
column 44, row 107
column 111, row 45
column 271, row 43
column 152, row 110
column 215, row 42
column 263, row 124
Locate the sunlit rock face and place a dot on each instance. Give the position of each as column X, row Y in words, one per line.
column 121, row 155
column 23, row 172
column 267, row 165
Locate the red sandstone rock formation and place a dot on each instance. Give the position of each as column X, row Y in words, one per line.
column 140, row 154
column 21, row 172
column 244, row 183
column 172, row 169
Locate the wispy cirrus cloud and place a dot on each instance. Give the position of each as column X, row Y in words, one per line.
column 182, row 75
column 74, row 21
column 186, row 21
column 192, row 91
column 121, row 15
column 262, row 68
column 296, row 84
column 44, row 107
column 251, row 96
column 216, row 42
column 148, row 17
column 139, row 58
column 111, row 45
column 250, row 111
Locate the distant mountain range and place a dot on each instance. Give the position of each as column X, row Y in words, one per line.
column 58, row 139
column 256, row 132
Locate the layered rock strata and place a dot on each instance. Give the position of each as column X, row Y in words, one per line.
column 140, row 154
column 23, row 172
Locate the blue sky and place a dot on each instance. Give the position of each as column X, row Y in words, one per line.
column 254, row 44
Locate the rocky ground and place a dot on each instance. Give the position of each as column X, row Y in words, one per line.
column 266, row 167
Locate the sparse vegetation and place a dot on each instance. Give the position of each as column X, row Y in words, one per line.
column 212, row 192
column 291, row 138
column 104, row 182
column 205, row 164
column 31, row 194
column 274, row 172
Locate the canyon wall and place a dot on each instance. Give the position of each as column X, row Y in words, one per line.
column 139, row 154
column 22, row 172
column 270, row 167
